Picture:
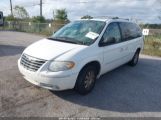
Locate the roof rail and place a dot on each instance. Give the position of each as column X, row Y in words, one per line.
column 111, row 17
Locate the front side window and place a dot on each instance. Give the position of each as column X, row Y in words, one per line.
column 82, row 32
column 112, row 35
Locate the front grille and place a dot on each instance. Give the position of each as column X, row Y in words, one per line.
column 31, row 63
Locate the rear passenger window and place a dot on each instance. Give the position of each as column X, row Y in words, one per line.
column 112, row 34
column 130, row 31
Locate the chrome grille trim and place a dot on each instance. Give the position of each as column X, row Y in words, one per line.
column 31, row 63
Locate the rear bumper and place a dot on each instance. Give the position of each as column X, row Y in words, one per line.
column 48, row 80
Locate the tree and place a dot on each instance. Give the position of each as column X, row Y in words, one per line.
column 20, row 12
column 38, row 19
column 86, row 17
column 9, row 18
column 61, row 14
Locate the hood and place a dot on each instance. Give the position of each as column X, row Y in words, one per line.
column 49, row 49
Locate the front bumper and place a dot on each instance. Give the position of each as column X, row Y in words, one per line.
column 49, row 80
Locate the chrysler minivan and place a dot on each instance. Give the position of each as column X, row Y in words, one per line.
column 80, row 52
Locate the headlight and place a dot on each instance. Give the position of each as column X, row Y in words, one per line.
column 56, row 66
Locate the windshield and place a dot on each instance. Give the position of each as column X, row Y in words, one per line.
column 81, row 32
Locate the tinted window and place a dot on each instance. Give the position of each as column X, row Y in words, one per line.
column 130, row 31
column 0, row 16
column 112, row 34
column 139, row 31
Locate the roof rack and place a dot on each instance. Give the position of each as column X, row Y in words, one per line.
column 111, row 17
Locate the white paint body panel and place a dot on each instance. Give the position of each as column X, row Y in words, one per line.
column 48, row 49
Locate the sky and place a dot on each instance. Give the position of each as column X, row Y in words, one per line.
column 145, row 11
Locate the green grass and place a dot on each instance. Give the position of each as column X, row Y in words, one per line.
column 152, row 45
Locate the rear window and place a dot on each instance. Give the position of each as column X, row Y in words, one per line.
column 130, row 30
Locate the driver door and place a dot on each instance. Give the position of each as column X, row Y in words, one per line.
column 112, row 45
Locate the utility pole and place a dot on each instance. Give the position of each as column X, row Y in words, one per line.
column 11, row 7
column 41, row 8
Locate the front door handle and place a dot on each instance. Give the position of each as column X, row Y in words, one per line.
column 122, row 49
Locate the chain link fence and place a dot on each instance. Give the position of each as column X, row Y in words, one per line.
column 30, row 27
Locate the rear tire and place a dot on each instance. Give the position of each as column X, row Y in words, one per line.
column 135, row 59
column 86, row 80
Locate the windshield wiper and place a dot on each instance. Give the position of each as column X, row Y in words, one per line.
column 67, row 39
column 50, row 38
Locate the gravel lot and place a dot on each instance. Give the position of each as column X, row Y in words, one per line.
column 124, row 92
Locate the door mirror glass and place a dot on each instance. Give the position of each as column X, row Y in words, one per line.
column 111, row 40
column 108, row 41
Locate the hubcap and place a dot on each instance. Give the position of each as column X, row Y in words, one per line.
column 89, row 79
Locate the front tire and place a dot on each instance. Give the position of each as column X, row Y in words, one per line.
column 135, row 59
column 86, row 80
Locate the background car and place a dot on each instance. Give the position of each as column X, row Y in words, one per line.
column 1, row 18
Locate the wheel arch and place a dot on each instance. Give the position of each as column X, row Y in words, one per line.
column 93, row 63
column 138, row 49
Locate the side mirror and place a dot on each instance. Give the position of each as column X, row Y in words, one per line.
column 111, row 40
column 108, row 41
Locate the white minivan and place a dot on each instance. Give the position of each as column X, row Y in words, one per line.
column 80, row 52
